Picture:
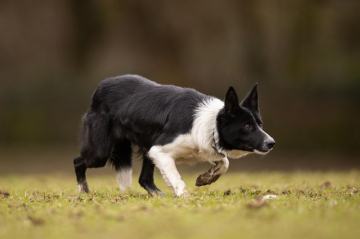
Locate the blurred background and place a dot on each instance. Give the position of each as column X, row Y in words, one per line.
column 304, row 54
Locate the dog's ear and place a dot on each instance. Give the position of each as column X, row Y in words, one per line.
column 251, row 101
column 231, row 100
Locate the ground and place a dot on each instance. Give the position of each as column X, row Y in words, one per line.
column 308, row 205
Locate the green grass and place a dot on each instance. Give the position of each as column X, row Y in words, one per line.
column 45, row 206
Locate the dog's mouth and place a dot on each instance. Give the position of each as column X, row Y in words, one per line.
column 261, row 151
column 249, row 148
column 265, row 147
column 257, row 151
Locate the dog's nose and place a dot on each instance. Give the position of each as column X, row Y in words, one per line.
column 271, row 144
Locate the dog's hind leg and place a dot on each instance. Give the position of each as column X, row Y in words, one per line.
column 121, row 160
column 80, row 169
column 81, row 164
column 146, row 179
column 96, row 146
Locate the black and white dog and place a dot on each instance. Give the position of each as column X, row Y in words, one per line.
column 169, row 124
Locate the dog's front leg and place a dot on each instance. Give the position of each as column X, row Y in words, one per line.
column 213, row 173
column 166, row 164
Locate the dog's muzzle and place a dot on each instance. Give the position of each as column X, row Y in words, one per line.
column 270, row 143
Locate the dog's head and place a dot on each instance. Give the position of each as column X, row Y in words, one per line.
column 240, row 126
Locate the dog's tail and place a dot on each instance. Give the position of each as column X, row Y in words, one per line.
column 97, row 141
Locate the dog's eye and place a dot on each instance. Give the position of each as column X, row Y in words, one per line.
column 260, row 125
column 247, row 127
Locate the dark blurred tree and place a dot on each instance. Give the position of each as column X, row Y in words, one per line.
column 87, row 27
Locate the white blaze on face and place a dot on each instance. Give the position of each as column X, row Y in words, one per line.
column 267, row 137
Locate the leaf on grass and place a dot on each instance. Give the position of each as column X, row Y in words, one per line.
column 6, row 194
column 286, row 192
column 271, row 192
column 325, row 184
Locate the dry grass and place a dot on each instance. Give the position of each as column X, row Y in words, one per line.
column 308, row 205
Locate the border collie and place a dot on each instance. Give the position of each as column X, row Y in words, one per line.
column 169, row 124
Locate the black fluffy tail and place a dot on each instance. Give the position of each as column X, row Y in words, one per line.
column 97, row 138
column 121, row 155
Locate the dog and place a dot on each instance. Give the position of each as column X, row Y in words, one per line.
column 169, row 125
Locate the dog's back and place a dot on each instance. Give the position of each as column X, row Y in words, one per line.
column 145, row 112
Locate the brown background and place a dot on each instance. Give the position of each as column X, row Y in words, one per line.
column 305, row 56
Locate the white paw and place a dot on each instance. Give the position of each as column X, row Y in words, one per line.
column 183, row 193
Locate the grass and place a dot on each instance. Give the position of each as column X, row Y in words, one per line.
column 309, row 205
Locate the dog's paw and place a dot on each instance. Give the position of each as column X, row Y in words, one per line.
column 83, row 187
column 159, row 193
column 206, row 179
column 186, row 194
column 212, row 174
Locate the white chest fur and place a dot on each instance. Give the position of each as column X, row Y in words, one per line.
column 196, row 146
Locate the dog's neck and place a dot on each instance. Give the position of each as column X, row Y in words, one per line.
column 216, row 145
column 204, row 131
